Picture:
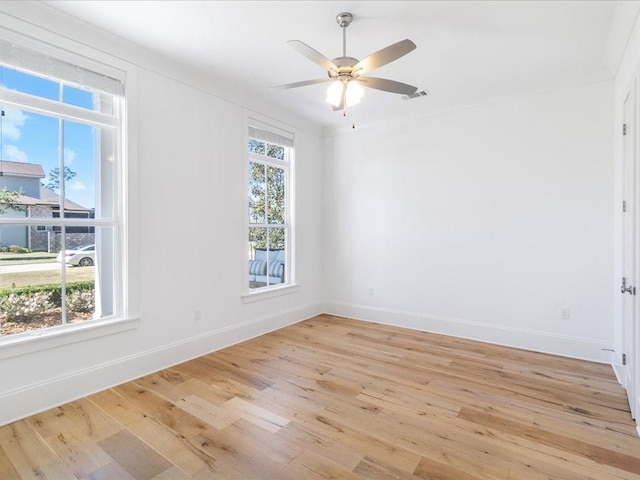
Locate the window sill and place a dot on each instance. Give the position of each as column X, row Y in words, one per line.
column 249, row 297
column 29, row 342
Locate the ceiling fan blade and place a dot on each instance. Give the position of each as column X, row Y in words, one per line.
column 387, row 85
column 313, row 55
column 302, row 84
column 384, row 56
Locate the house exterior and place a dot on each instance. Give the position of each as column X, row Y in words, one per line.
column 37, row 201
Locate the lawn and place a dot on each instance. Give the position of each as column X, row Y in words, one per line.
column 42, row 277
column 26, row 258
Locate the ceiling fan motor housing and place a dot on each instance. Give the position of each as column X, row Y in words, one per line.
column 345, row 67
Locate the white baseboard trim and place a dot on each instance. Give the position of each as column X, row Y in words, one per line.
column 35, row 398
column 563, row 345
column 619, row 371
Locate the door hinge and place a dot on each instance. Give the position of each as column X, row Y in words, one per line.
column 624, row 206
column 624, row 129
column 624, row 359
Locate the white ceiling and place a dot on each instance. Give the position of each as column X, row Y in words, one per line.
column 468, row 53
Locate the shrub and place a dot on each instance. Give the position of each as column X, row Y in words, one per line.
column 81, row 301
column 22, row 308
column 18, row 249
column 53, row 290
column 24, row 303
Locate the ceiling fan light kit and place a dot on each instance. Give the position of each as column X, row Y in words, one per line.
column 347, row 74
column 352, row 96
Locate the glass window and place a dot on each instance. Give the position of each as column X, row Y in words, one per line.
column 269, row 236
column 59, row 195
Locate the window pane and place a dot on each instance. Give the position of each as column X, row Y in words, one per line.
column 275, row 151
column 80, row 159
column 256, row 147
column 79, row 259
column 99, row 102
column 27, row 138
column 257, row 192
column 275, row 195
column 277, row 256
column 267, row 257
column 78, row 97
column 26, row 83
column 90, row 275
column 276, row 238
column 257, row 240
column 257, row 261
column 30, row 286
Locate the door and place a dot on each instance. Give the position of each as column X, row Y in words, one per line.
column 629, row 251
column 14, row 234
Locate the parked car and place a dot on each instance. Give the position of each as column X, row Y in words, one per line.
column 83, row 256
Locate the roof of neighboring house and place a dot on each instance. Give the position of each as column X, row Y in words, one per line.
column 21, row 169
column 50, row 198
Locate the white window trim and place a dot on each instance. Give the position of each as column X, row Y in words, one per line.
column 127, row 283
column 60, row 335
column 251, row 295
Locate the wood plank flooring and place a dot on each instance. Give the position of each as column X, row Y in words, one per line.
column 333, row 398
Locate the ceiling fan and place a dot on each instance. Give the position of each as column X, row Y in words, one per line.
column 348, row 75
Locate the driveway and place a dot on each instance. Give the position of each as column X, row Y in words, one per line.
column 29, row 268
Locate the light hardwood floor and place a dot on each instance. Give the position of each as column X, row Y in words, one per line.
column 332, row 398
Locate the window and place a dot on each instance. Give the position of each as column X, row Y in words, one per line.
column 61, row 138
column 269, row 214
column 72, row 229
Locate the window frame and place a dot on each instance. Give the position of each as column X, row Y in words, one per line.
column 122, row 121
column 288, row 165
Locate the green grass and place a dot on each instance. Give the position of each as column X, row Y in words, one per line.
column 26, row 258
column 45, row 277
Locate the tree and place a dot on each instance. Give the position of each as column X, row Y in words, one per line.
column 10, row 200
column 267, row 187
column 54, row 177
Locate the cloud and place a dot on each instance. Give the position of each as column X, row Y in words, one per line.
column 14, row 154
column 12, row 122
column 76, row 185
column 69, row 156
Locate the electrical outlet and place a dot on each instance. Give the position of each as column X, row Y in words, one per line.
column 196, row 315
column 564, row 313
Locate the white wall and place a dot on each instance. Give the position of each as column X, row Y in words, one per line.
column 187, row 207
column 481, row 223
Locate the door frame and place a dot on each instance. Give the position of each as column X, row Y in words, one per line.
column 633, row 126
column 629, row 252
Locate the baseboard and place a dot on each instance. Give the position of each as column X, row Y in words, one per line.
column 619, row 371
column 31, row 399
column 563, row 345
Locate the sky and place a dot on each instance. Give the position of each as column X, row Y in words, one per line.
column 34, row 138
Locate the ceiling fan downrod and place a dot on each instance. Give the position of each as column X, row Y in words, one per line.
column 344, row 20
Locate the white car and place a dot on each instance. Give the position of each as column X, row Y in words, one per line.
column 83, row 256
